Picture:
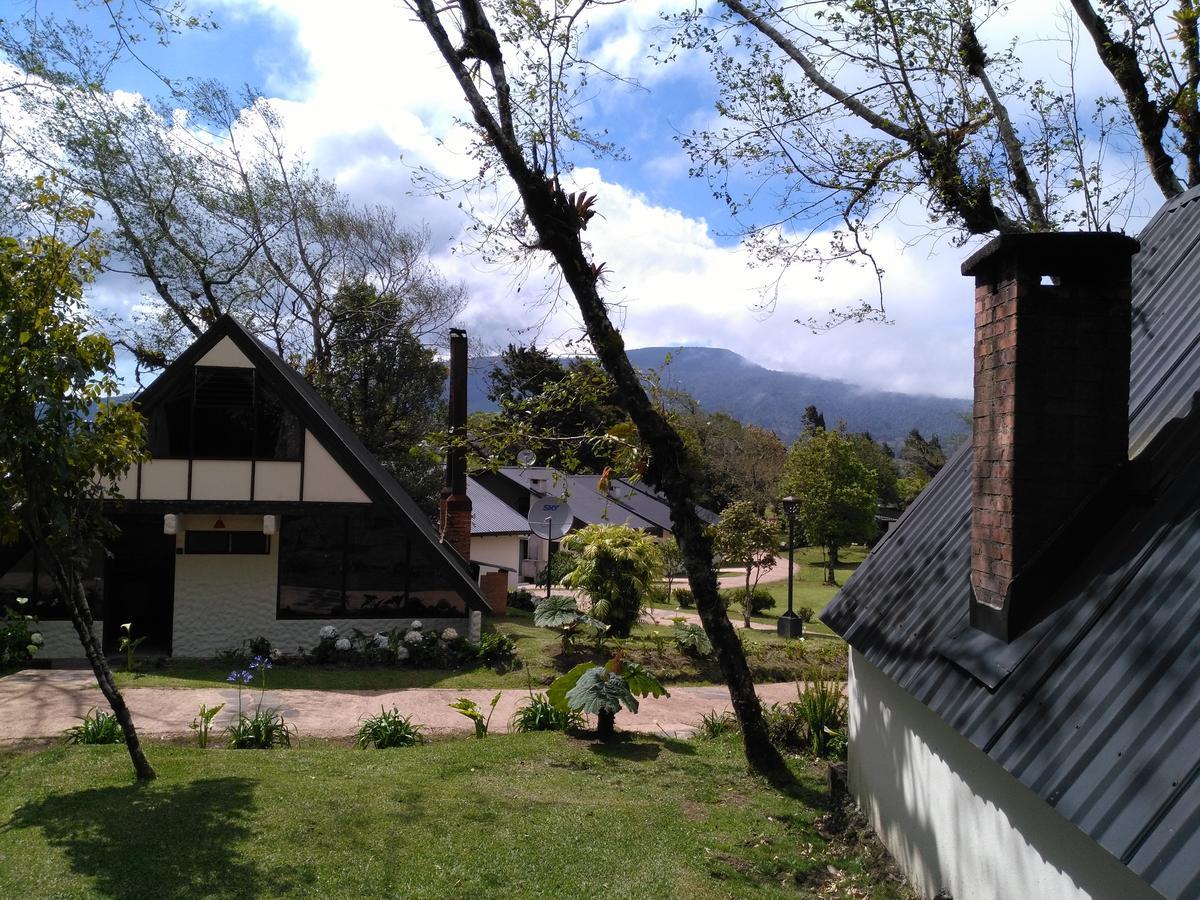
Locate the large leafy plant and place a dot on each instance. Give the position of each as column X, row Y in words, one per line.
column 615, row 565
column 602, row 691
column 564, row 616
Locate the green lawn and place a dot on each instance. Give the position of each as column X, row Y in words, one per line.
column 807, row 587
column 538, row 815
column 539, row 652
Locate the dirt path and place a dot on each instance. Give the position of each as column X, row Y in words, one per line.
column 42, row 703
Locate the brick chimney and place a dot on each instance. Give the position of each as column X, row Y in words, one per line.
column 456, row 505
column 1051, row 412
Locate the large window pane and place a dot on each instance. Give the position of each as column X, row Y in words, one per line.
column 310, row 566
column 279, row 434
column 376, row 565
column 223, row 413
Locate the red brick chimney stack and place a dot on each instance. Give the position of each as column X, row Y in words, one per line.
column 1051, row 410
column 456, row 505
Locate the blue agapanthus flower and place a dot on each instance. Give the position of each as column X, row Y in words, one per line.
column 260, row 662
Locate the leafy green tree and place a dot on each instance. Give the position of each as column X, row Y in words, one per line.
column 837, row 493
column 615, row 565
column 672, row 562
column 922, row 455
column 745, row 539
column 61, row 444
column 732, row 461
column 566, row 414
column 880, row 459
column 387, row 385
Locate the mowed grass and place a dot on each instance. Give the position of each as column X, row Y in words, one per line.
column 539, row 651
column 808, row 589
column 539, row 815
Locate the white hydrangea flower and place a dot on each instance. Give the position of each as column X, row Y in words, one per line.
column 401, row 654
column 21, row 601
column 413, row 637
column 381, row 640
column 342, row 644
column 328, row 632
column 416, row 625
column 36, row 638
column 449, row 635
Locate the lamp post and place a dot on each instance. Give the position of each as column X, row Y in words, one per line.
column 549, row 553
column 789, row 624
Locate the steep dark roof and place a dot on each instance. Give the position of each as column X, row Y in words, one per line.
column 1097, row 708
column 328, row 427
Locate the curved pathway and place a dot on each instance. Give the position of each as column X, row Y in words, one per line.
column 40, row 703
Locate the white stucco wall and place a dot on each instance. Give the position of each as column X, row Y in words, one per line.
column 60, row 640
column 956, row 821
column 499, row 550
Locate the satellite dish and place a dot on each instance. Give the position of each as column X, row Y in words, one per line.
column 527, row 458
column 550, row 517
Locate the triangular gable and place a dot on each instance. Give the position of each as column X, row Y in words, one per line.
column 227, row 342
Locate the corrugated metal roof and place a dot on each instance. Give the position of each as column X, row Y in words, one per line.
column 1097, row 708
column 491, row 515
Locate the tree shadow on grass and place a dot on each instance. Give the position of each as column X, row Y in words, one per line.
column 157, row 841
column 640, row 747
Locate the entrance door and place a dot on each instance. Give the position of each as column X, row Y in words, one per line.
column 140, row 587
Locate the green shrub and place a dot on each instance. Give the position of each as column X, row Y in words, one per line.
column 760, row 599
column 656, row 595
column 497, row 650
column 20, row 637
column 562, row 563
column 714, row 724
column 389, row 729
column 815, row 723
column 691, row 639
column 521, row 599
column 539, row 714
column 683, row 598
column 96, row 727
column 265, row 730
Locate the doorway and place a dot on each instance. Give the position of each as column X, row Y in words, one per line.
column 140, row 587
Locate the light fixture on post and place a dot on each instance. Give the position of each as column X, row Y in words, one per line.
column 170, row 524
column 269, row 525
column 790, row 624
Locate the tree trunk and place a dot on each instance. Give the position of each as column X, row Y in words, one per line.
column 606, row 725
column 749, row 602
column 558, row 220
column 70, row 585
column 831, row 565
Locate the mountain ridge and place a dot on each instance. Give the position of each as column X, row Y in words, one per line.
column 722, row 380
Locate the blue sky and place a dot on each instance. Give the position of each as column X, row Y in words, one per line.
column 365, row 97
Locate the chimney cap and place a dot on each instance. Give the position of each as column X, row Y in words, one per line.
column 1056, row 251
column 458, row 332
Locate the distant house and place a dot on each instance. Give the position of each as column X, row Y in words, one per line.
column 1025, row 663
column 615, row 502
column 499, row 533
column 259, row 513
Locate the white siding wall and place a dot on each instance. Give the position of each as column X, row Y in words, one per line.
column 221, row 601
column 955, row 820
column 499, row 550
column 61, row 641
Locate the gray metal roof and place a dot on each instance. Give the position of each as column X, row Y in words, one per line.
column 1096, row 708
column 588, row 505
column 491, row 515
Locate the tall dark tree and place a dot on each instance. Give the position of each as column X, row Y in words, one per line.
column 526, row 116
column 812, row 421
column 924, row 455
column 879, row 459
column 387, row 385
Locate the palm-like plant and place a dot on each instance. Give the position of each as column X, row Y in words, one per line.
column 616, row 566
